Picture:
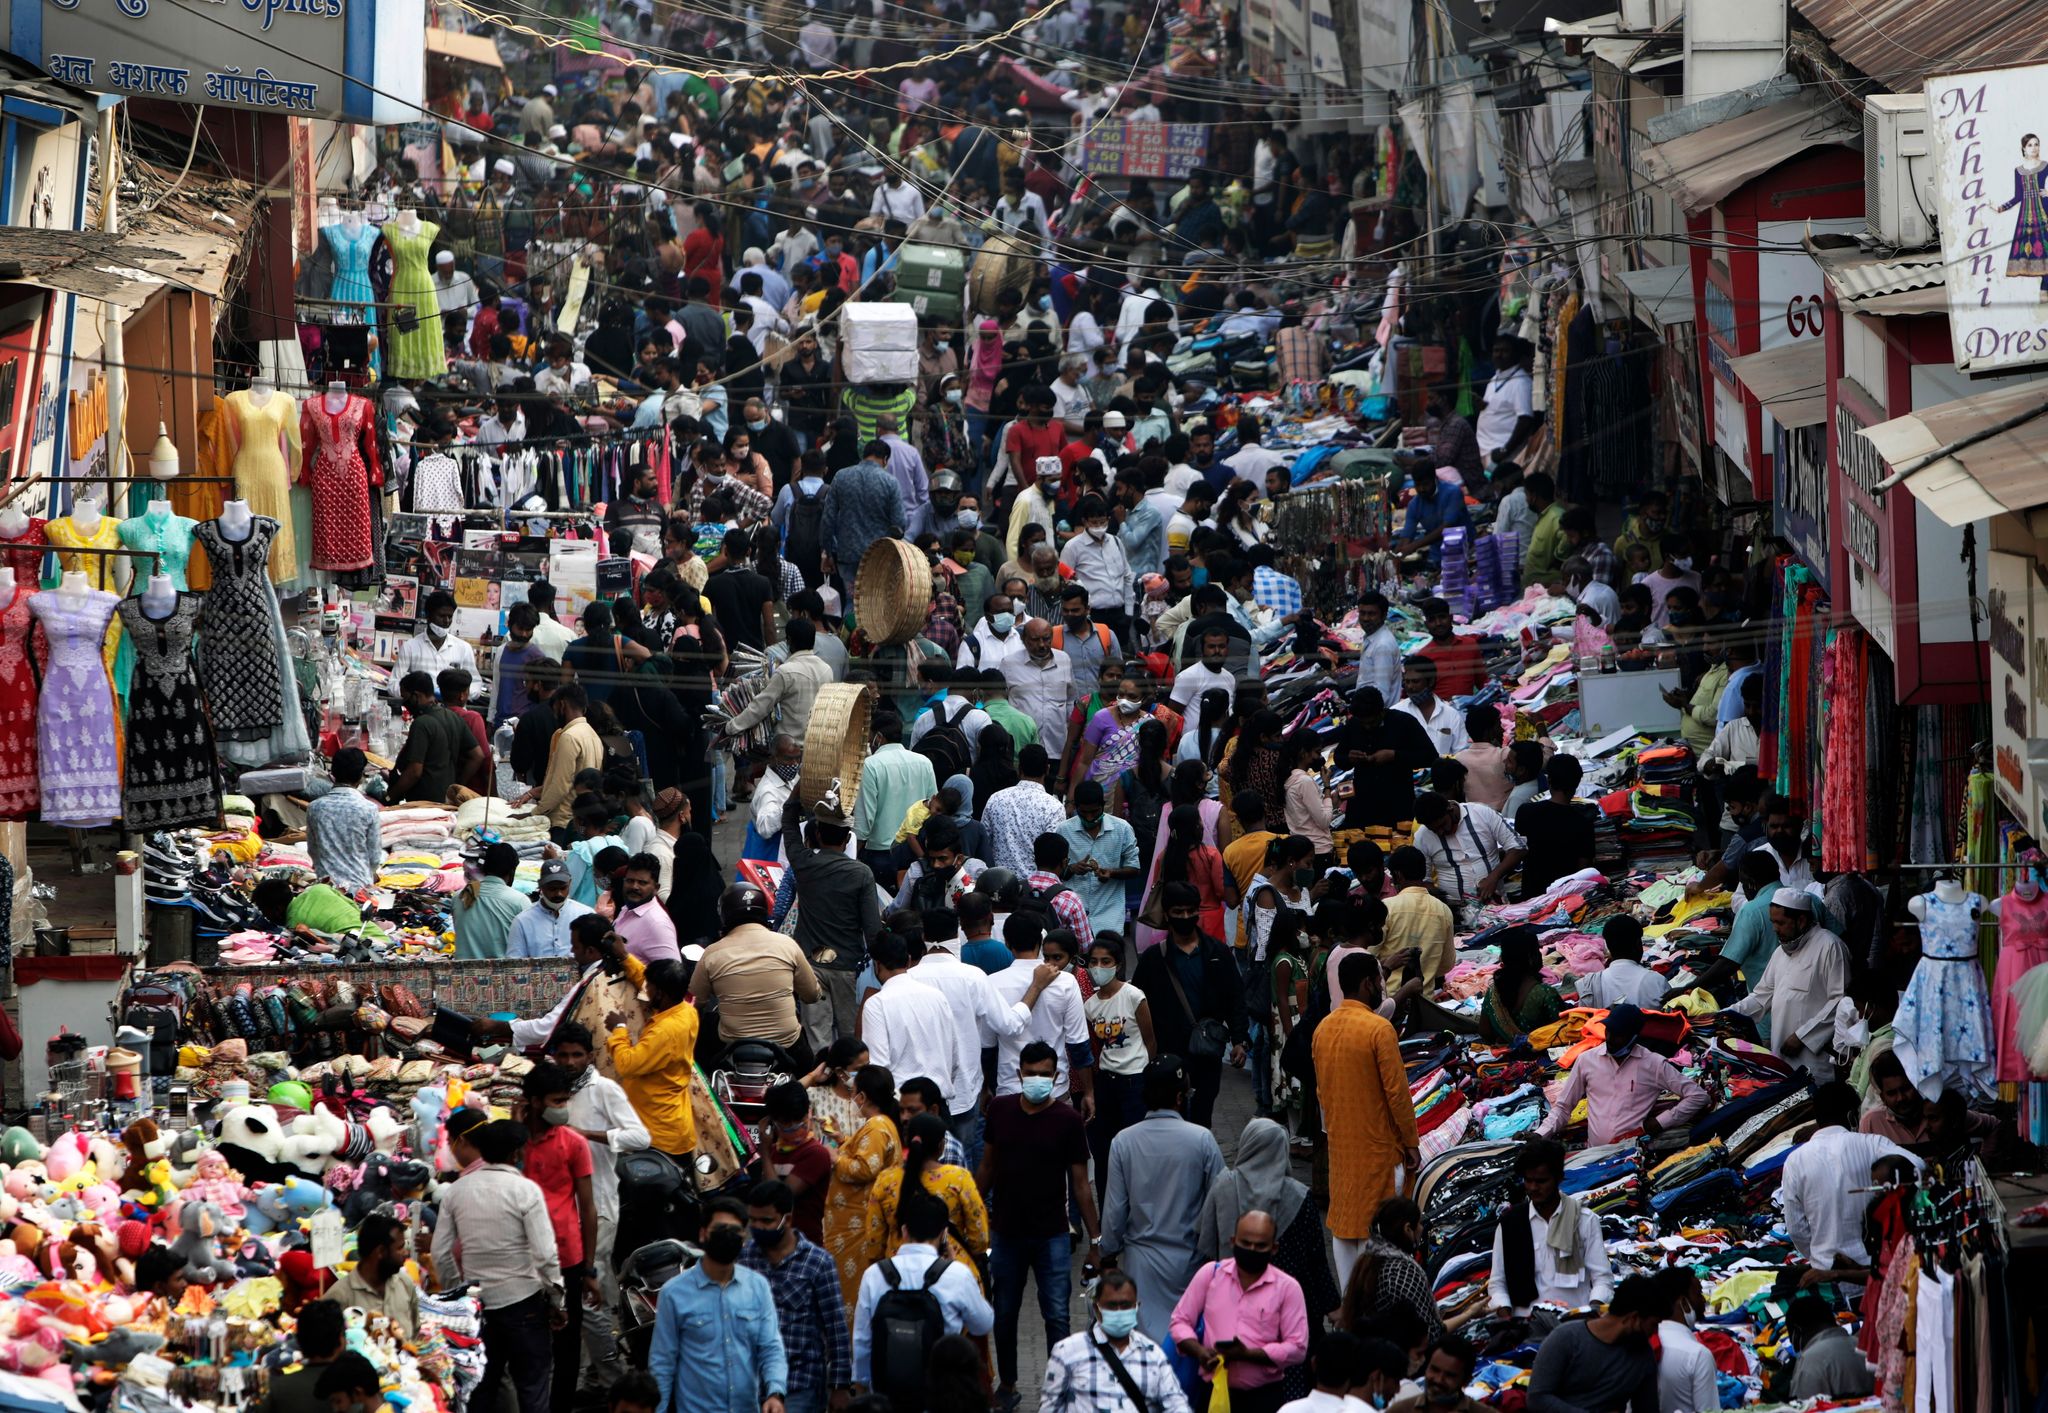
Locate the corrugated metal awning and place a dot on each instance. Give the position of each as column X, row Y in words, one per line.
column 1662, row 292
column 2004, row 472
column 1911, row 282
column 1901, row 43
column 1791, row 381
column 1702, row 167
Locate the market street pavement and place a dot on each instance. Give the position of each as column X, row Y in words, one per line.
column 1234, row 1109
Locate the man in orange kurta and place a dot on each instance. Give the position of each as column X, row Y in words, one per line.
column 1367, row 1113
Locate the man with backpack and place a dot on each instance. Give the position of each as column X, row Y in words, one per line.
column 799, row 514
column 948, row 732
column 1086, row 643
column 1046, row 886
column 909, row 1302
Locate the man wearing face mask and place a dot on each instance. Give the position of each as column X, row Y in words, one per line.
column 1101, row 566
column 941, row 515
column 1645, row 527
column 1037, row 503
column 1623, row 1085
column 1801, row 984
column 1251, row 1314
column 1674, row 569
column 1112, row 1367
column 1138, row 522
column 809, row 1308
column 718, row 1346
column 776, row 443
column 435, row 648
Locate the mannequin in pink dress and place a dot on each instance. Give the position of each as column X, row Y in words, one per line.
column 2022, row 946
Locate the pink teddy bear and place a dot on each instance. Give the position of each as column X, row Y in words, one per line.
column 217, row 1183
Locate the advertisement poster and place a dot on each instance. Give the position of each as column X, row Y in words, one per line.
column 1126, row 149
column 1991, row 199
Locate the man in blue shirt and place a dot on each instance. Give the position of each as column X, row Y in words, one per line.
column 980, row 947
column 1102, row 857
column 1742, row 665
column 543, row 929
column 863, row 503
column 1139, row 525
column 1439, row 504
column 717, row 1342
column 921, row 1219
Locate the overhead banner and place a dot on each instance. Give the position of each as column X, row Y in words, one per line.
column 1386, row 34
column 1126, row 149
column 1991, row 200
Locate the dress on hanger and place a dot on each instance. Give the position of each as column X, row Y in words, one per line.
column 239, row 656
column 20, row 787
column 416, row 352
column 351, row 264
column 172, row 778
column 2022, row 946
column 98, row 570
column 341, row 466
column 25, row 555
column 76, row 737
column 1942, row 1034
column 167, row 533
column 263, row 472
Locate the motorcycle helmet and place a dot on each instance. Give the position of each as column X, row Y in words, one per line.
column 742, row 903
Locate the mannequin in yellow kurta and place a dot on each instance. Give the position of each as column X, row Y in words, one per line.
column 264, row 435
column 1367, row 1114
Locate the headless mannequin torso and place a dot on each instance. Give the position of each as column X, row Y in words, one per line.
column 235, row 520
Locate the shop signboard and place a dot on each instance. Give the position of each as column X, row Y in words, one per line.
column 1988, row 193
column 354, row 60
column 1386, row 35
column 1799, row 509
column 1128, row 149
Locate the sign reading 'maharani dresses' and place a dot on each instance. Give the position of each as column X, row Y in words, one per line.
column 1991, row 198
column 308, row 58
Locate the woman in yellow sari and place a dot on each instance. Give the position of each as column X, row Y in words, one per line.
column 869, row 1154
column 924, row 1146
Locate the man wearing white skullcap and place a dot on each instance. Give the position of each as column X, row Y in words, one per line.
column 538, row 113
column 457, row 294
column 1801, row 984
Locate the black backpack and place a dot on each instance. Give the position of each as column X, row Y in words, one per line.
column 907, row 1322
column 804, row 546
column 944, row 744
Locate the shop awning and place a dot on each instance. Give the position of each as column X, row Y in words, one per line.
column 469, row 48
column 1662, row 293
column 2005, row 471
column 1909, row 282
column 123, row 270
column 1702, row 167
column 1791, row 381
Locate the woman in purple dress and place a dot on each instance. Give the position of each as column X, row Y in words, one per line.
column 2028, row 258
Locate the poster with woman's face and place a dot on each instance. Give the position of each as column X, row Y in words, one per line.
column 1991, row 200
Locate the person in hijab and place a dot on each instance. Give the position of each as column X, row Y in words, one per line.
column 995, row 763
column 693, row 896
column 984, row 370
column 1261, row 1180
column 962, row 814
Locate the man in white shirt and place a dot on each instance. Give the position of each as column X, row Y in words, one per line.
column 1471, row 848
column 1020, row 212
column 896, row 199
column 1558, row 1255
column 1444, row 722
column 819, row 44
column 1057, row 1019
column 1100, row 564
column 1251, row 462
column 1379, row 659
column 971, row 993
column 1737, row 744
column 456, row 294
column 1070, row 402
column 996, row 640
column 601, row 1112
column 921, row 1221
column 1130, row 315
column 1624, row 978
column 1509, row 415
column 1196, row 678
column 910, row 1028
column 436, row 648
column 1687, row 1381
column 1824, row 1187
column 956, row 708
column 1801, row 984
column 1042, row 685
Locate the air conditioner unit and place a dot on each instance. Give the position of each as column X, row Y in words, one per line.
column 1898, row 170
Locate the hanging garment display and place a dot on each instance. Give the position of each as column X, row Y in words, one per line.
column 265, row 438
column 173, row 777
column 77, row 742
column 23, row 553
column 437, row 484
column 2022, row 946
column 340, row 466
column 99, row 571
column 168, row 535
column 351, row 241
column 20, row 786
column 1943, row 1028
column 416, row 350
column 239, row 657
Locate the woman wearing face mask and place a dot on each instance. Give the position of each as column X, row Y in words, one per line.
column 859, row 1163
column 924, row 1143
column 1120, row 1024
column 1186, row 857
column 1308, row 801
column 1262, row 1181
column 835, row 1108
column 1058, row 952
column 748, row 466
column 946, row 441
column 1140, row 792
column 1102, row 729
column 1235, row 517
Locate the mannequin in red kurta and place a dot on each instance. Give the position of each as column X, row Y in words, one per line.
column 339, row 433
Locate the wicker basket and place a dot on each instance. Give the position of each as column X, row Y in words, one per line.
column 835, row 744
column 893, row 591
